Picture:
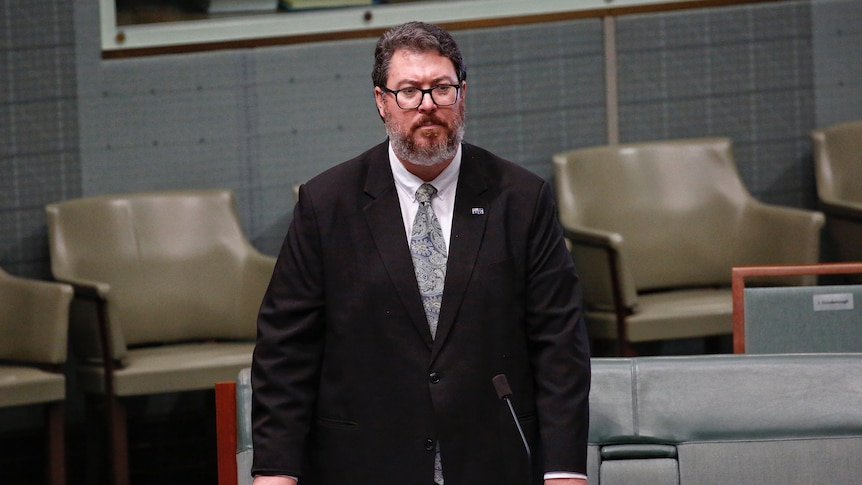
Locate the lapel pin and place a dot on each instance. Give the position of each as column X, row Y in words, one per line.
column 477, row 211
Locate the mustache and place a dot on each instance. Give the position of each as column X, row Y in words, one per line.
column 426, row 118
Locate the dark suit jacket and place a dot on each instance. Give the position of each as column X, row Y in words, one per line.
column 350, row 388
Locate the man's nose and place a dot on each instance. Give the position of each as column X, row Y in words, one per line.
column 427, row 104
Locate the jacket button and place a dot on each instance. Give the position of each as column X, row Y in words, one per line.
column 434, row 378
column 429, row 445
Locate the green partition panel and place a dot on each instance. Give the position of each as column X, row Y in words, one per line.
column 803, row 319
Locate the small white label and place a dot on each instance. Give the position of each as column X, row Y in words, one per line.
column 833, row 301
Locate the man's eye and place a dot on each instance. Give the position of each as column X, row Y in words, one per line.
column 409, row 92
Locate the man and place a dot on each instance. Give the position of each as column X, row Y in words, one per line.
column 393, row 306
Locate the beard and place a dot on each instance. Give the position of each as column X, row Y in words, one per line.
column 436, row 148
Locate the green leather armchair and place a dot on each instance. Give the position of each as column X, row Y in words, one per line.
column 34, row 319
column 167, row 293
column 655, row 229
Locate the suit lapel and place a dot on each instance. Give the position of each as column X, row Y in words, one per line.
column 468, row 228
column 383, row 214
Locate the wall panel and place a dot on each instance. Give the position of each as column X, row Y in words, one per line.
column 259, row 120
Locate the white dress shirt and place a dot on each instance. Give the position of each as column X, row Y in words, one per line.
column 443, row 201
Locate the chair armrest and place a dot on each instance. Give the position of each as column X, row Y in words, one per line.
column 34, row 320
column 579, row 235
column 90, row 322
column 599, row 258
column 848, row 210
column 95, row 290
column 798, row 230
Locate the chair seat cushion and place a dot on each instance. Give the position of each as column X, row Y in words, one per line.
column 21, row 385
column 172, row 368
column 669, row 315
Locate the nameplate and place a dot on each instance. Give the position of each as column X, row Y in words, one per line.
column 833, row 301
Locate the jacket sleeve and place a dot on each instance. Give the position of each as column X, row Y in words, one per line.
column 559, row 348
column 287, row 355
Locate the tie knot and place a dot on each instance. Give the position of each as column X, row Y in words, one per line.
column 425, row 192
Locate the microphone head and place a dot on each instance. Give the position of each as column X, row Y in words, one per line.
column 501, row 384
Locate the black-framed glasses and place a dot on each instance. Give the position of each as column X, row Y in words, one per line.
column 411, row 98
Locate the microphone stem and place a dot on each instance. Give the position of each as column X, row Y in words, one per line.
column 523, row 438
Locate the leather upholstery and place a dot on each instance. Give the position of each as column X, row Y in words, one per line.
column 677, row 217
column 34, row 320
column 694, row 420
column 838, row 170
column 171, row 268
column 170, row 281
column 759, row 419
column 244, row 446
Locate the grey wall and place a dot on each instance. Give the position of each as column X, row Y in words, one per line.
column 39, row 159
column 742, row 72
column 837, row 62
column 259, row 120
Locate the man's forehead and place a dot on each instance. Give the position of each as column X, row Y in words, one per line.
column 411, row 59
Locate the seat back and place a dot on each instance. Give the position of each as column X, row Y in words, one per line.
column 765, row 419
column 173, row 262
column 795, row 319
column 798, row 319
column 838, row 162
column 679, row 206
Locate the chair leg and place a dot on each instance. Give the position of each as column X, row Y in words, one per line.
column 56, row 444
column 225, row 403
column 118, row 442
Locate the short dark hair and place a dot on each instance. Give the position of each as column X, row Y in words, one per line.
column 415, row 37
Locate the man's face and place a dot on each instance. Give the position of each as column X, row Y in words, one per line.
column 430, row 134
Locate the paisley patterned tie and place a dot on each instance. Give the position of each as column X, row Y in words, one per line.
column 429, row 261
column 429, row 255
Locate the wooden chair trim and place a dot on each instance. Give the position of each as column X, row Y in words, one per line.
column 56, row 442
column 226, row 428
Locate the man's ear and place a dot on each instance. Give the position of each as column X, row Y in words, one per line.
column 379, row 99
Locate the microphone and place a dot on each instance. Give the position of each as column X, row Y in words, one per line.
column 504, row 392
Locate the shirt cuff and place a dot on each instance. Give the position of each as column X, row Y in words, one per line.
column 550, row 475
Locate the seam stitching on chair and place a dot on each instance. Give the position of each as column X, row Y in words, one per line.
column 634, row 390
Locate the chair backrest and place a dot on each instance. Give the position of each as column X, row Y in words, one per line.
column 838, row 162
column 796, row 319
column 174, row 262
column 679, row 205
column 34, row 318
